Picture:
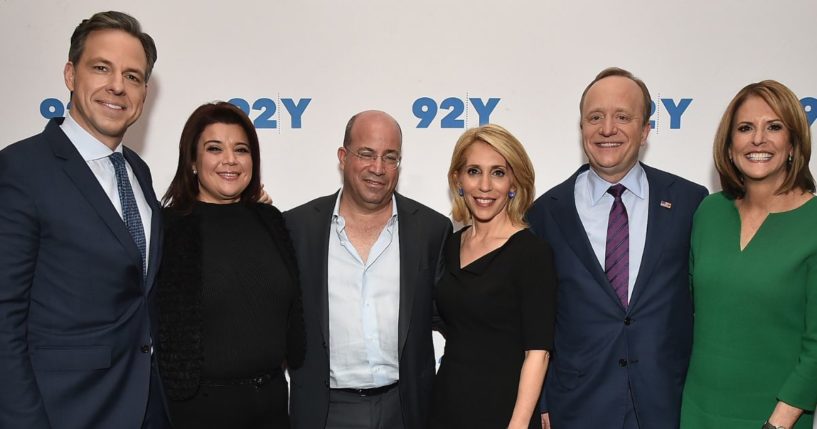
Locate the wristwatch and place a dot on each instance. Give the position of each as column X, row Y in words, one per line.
column 768, row 425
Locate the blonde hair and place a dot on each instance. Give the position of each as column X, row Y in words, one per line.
column 518, row 161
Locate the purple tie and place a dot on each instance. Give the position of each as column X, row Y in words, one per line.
column 617, row 253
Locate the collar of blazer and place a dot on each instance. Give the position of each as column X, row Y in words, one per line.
column 659, row 219
column 81, row 176
column 409, row 259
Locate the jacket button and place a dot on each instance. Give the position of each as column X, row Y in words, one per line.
column 622, row 362
column 627, row 321
column 145, row 349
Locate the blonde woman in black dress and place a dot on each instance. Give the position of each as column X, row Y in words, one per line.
column 496, row 298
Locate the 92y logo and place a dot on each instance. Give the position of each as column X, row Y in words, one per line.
column 426, row 110
column 267, row 109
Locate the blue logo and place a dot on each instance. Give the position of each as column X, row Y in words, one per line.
column 810, row 106
column 426, row 108
column 267, row 108
column 675, row 109
column 52, row 108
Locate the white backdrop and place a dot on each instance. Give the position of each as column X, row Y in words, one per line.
column 535, row 57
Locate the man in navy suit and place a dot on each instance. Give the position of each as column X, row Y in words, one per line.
column 80, row 237
column 624, row 311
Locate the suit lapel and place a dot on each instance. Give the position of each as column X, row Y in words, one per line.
column 567, row 218
column 409, row 265
column 77, row 170
column 323, row 221
column 659, row 220
column 143, row 177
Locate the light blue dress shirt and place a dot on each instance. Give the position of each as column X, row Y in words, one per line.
column 364, row 303
column 96, row 154
column 593, row 204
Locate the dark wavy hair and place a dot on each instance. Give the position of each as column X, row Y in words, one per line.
column 184, row 189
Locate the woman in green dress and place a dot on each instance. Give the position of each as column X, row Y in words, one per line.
column 754, row 272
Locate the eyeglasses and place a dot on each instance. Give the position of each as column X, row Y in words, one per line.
column 391, row 160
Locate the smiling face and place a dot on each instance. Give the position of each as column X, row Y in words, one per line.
column 368, row 184
column 613, row 129
column 108, row 84
column 485, row 180
column 223, row 163
column 761, row 143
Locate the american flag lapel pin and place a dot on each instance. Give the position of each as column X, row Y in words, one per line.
column 666, row 204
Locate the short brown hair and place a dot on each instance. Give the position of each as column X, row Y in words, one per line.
column 615, row 71
column 184, row 188
column 502, row 141
column 786, row 105
column 111, row 20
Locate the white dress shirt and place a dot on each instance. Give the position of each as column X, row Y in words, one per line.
column 96, row 154
column 364, row 303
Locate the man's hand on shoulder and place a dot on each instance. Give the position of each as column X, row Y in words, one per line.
column 264, row 198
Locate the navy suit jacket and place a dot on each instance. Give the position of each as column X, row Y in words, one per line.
column 75, row 308
column 602, row 352
column 422, row 235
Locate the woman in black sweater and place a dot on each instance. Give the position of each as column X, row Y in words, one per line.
column 229, row 301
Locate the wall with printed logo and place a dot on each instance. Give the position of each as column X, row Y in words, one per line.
column 302, row 68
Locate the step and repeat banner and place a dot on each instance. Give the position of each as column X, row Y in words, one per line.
column 302, row 68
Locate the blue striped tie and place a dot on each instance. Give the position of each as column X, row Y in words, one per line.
column 130, row 211
column 617, row 252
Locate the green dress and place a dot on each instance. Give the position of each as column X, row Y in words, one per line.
column 755, row 335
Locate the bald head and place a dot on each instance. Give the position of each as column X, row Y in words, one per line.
column 371, row 118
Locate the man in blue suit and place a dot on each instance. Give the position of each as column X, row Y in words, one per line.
column 620, row 235
column 80, row 240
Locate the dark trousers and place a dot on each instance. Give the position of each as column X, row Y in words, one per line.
column 352, row 411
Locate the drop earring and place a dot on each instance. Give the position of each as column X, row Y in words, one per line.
column 511, row 194
column 460, row 192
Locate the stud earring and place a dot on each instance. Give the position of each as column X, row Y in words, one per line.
column 511, row 194
column 195, row 172
column 460, row 192
column 790, row 159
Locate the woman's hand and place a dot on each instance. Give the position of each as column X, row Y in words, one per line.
column 264, row 198
column 785, row 415
column 545, row 421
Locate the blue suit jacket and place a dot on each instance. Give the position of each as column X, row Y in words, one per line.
column 75, row 310
column 602, row 350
